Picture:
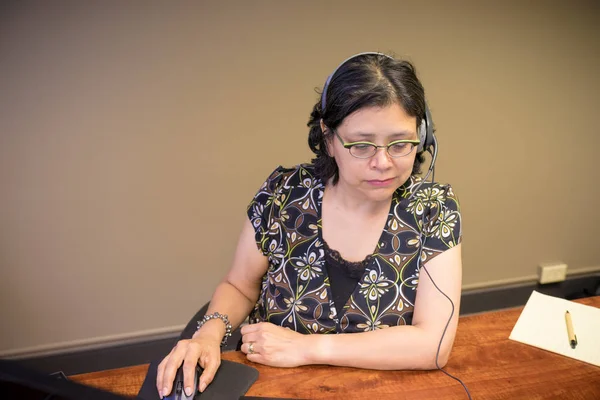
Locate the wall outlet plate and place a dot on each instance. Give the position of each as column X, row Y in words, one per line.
column 552, row 272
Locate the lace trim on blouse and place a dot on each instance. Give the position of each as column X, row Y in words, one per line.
column 353, row 269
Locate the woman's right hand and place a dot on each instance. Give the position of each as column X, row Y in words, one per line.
column 199, row 350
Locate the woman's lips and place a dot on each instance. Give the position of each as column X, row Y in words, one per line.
column 379, row 182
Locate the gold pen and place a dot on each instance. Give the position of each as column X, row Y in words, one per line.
column 570, row 331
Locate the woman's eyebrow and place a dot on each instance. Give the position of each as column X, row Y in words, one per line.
column 371, row 136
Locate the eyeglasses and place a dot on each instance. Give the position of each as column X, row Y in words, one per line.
column 397, row 148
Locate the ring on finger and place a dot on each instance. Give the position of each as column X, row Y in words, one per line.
column 251, row 348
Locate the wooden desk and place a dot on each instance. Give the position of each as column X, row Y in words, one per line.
column 491, row 365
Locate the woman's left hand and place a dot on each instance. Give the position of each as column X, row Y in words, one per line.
column 270, row 344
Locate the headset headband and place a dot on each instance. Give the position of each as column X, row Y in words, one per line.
column 324, row 94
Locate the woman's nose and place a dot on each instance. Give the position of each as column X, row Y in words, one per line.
column 381, row 158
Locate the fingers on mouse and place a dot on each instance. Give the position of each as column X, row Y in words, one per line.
column 178, row 390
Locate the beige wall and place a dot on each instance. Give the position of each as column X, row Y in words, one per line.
column 132, row 136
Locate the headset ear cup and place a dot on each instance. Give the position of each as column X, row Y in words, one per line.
column 422, row 136
column 429, row 129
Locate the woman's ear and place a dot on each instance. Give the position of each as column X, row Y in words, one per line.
column 327, row 139
column 323, row 126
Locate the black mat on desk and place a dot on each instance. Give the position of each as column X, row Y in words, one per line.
column 231, row 381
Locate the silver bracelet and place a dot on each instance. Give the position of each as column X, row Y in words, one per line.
column 223, row 318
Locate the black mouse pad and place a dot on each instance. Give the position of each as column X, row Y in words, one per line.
column 231, row 381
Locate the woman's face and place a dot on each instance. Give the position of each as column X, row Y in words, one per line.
column 375, row 178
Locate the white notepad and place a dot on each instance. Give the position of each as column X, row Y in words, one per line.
column 542, row 324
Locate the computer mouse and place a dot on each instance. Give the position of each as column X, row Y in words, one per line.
column 177, row 392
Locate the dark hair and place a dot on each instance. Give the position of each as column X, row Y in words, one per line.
column 364, row 81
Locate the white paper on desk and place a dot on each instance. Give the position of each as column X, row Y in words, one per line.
column 542, row 324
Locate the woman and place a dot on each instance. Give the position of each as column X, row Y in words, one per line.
column 337, row 246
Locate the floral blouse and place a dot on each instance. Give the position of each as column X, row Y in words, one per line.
column 295, row 291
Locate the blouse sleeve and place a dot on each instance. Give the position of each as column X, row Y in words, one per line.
column 443, row 228
column 261, row 209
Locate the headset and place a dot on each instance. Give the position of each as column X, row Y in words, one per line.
column 428, row 143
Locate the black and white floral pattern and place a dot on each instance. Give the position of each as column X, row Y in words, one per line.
column 295, row 291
